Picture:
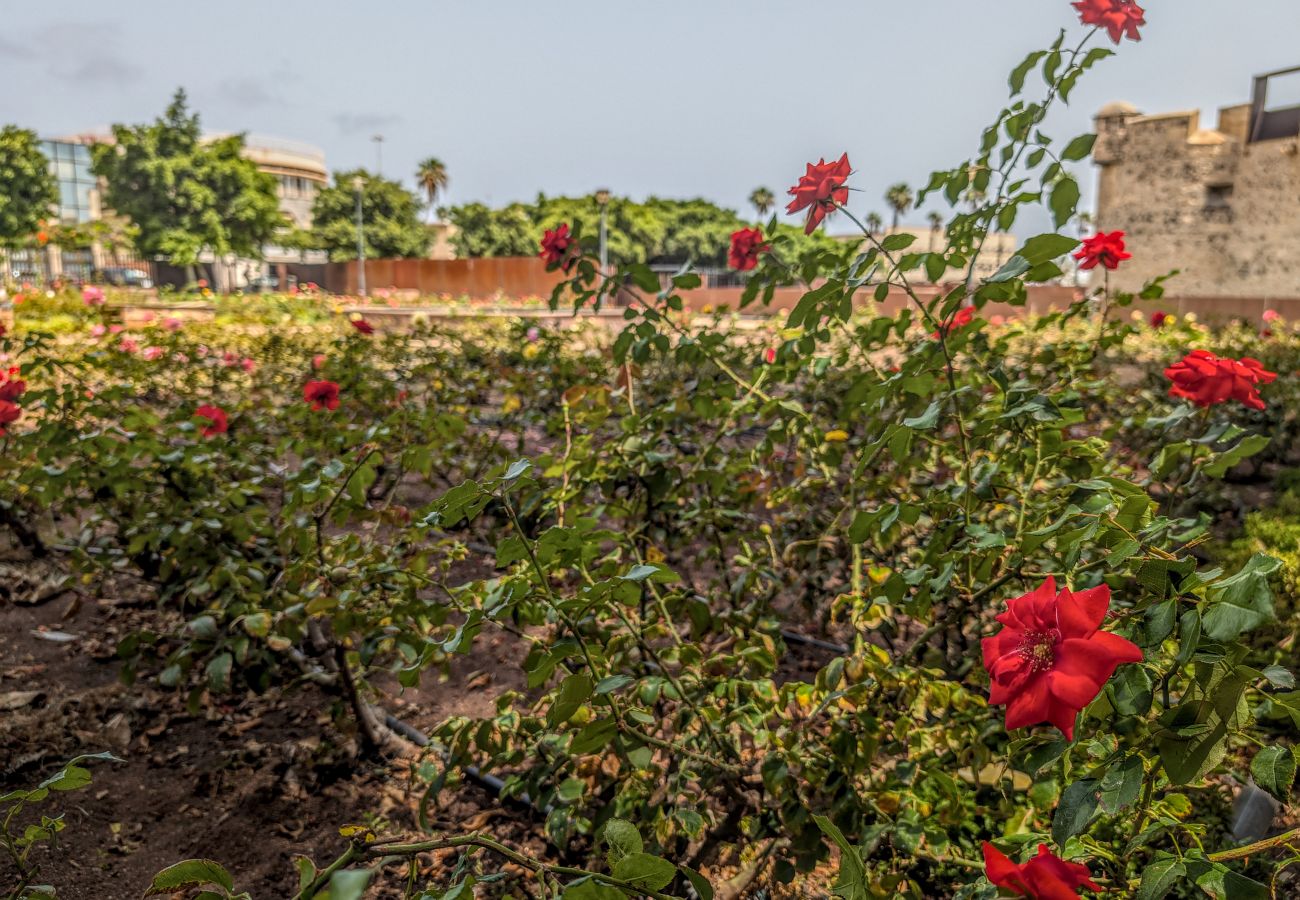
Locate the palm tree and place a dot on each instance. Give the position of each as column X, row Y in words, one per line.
column 874, row 222
column 900, row 199
column 1086, row 223
column 936, row 227
column 431, row 175
column 762, row 200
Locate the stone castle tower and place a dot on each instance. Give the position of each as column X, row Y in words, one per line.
column 1221, row 205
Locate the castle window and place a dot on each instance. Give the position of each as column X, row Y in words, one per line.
column 1218, row 196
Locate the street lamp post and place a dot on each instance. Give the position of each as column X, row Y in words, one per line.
column 602, row 200
column 357, row 184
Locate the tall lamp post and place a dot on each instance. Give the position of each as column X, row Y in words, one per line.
column 357, row 184
column 602, row 200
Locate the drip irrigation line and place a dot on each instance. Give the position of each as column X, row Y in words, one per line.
column 484, row 779
column 797, row 638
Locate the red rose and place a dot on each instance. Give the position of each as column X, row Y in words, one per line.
column 1119, row 17
column 769, row 355
column 557, row 247
column 9, row 413
column 321, row 395
column 1051, row 660
column 1158, row 319
column 1045, row 877
column 746, row 244
column 11, row 387
column 217, row 416
column 820, row 190
column 1205, row 379
column 963, row 318
column 1103, row 248
column 363, row 326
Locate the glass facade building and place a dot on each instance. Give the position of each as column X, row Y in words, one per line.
column 70, row 163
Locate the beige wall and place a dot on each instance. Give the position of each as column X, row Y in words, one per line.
column 1163, row 181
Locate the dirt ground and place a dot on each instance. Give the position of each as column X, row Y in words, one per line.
column 251, row 782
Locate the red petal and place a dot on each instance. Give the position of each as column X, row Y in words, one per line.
column 1079, row 615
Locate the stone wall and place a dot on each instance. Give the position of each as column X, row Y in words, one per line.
column 1222, row 210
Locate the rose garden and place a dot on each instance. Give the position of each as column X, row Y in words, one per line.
column 927, row 604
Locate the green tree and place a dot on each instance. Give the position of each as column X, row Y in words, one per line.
column 185, row 195
column 900, row 199
column 432, row 178
column 27, row 188
column 936, row 229
column 762, row 199
column 390, row 216
column 663, row 231
column 874, row 222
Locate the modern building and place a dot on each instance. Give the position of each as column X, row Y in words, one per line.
column 299, row 169
column 1222, row 204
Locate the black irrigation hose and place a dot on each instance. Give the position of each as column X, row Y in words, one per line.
column 797, row 638
column 485, row 780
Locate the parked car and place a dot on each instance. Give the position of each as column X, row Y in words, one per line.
column 125, row 276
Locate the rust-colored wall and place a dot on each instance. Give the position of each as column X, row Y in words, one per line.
column 522, row 276
column 479, row 279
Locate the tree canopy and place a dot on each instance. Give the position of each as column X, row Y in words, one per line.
column 658, row 230
column 185, row 195
column 27, row 188
column 390, row 216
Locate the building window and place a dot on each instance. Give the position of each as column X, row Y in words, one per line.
column 1218, row 196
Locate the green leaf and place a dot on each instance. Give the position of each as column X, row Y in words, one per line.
column 1241, row 602
column 69, row 778
column 1159, row 876
column 1228, row 459
column 926, row 420
column 1121, row 784
column 852, row 881
column 1011, row 269
column 1046, row 247
column 1064, row 201
column 190, row 873
column 640, row 573
column 623, row 840
column 349, row 884
column 1075, row 810
column 574, row 691
column 645, row 871
column 1079, row 148
column 1273, row 769
column 699, row 882
column 593, row 737
column 897, row 242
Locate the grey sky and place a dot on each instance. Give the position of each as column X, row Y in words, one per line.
column 672, row 97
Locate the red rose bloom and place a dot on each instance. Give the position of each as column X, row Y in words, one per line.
column 362, row 326
column 9, row 413
column 557, row 247
column 964, row 317
column 746, row 244
column 1120, row 18
column 321, row 395
column 11, row 387
column 1158, row 319
column 1051, row 659
column 1205, row 379
column 820, row 190
column 1045, row 877
column 1104, row 248
column 217, row 416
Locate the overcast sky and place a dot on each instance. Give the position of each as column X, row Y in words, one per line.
column 674, row 98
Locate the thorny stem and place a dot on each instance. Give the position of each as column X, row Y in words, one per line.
column 1288, row 839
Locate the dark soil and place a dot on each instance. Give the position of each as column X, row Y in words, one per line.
column 250, row 781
